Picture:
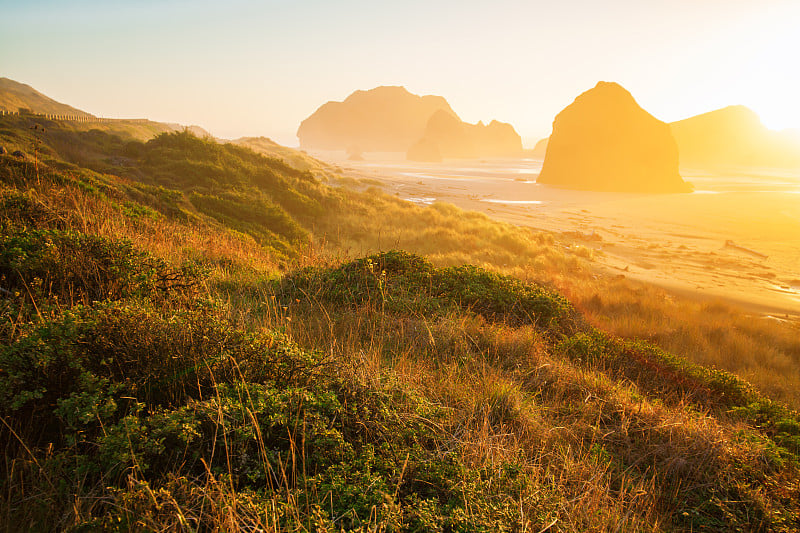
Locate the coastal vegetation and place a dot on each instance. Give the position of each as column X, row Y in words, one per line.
column 200, row 337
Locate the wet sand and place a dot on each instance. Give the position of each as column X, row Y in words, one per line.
column 737, row 237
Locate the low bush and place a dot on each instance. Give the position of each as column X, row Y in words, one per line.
column 399, row 282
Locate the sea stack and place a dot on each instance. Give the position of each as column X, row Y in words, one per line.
column 447, row 135
column 604, row 141
column 450, row 137
column 383, row 119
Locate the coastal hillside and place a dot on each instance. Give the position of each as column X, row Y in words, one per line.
column 734, row 136
column 197, row 336
column 15, row 96
column 295, row 158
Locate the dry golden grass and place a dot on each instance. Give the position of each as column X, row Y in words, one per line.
column 763, row 350
column 174, row 240
column 511, row 399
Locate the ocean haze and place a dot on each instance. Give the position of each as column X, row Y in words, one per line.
column 246, row 68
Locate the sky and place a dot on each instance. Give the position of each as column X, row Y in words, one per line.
column 243, row 67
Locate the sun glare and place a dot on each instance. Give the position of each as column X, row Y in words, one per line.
column 769, row 78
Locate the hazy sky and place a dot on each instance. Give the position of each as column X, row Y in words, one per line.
column 242, row 67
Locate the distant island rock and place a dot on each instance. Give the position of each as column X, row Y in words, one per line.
column 496, row 139
column 604, row 141
column 447, row 136
column 729, row 137
column 734, row 136
column 540, row 150
column 384, row 119
column 391, row 119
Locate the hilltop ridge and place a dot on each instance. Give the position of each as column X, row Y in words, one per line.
column 15, row 95
column 734, row 136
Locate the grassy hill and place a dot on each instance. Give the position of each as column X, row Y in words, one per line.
column 196, row 336
column 15, row 95
column 296, row 158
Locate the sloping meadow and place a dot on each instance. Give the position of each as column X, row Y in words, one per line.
column 148, row 409
column 159, row 372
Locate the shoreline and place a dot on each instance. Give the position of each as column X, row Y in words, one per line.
column 737, row 239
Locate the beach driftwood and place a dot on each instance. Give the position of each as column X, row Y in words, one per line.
column 730, row 244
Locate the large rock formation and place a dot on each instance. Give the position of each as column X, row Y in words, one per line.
column 384, row 119
column 604, row 141
column 733, row 136
column 496, row 139
column 448, row 137
column 391, row 119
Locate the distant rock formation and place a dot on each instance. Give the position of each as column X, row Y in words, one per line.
column 446, row 136
column 734, row 136
column 391, row 119
column 540, row 150
column 384, row 119
column 354, row 153
column 425, row 151
column 496, row 139
column 604, row 141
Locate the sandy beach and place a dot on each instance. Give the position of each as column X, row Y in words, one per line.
column 737, row 237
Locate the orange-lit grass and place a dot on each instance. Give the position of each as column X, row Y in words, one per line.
column 763, row 350
column 511, row 398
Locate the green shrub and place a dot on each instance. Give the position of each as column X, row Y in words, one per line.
column 399, row 282
column 75, row 267
column 22, row 211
